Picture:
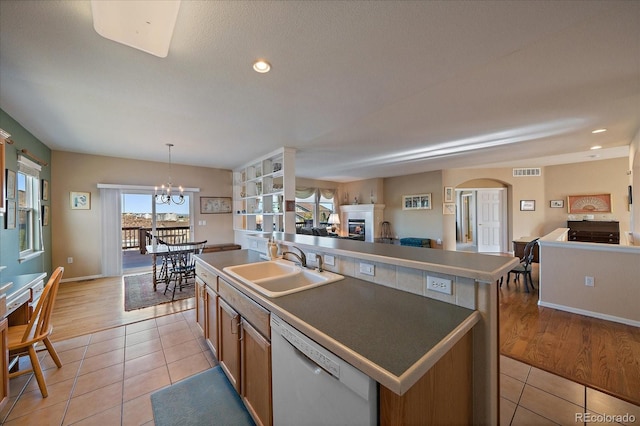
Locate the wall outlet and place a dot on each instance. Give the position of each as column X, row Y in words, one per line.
column 311, row 257
column 69, row 259
column 441, row 285
column 329, row 260
column 589, row 281
column 367, row 269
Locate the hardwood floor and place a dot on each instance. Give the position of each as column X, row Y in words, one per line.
column 597, row 353
column 84, row 307
column 600, row 354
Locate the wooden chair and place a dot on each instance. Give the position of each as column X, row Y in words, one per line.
column 24, row 338
column 524, row 267
column 181, row 264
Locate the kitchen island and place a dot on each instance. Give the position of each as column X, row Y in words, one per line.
column 410, row 344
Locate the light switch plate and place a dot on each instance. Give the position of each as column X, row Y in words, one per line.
column 367, row 269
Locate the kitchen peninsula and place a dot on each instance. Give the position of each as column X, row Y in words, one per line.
column 384, row 321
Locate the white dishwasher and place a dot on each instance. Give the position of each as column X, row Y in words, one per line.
column 312, row 386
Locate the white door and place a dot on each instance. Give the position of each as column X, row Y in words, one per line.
column 489, row 205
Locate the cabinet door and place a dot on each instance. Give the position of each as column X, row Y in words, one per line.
column 256, row 374
column 201, row 315
column 4, row 363
column 229, row 343
column 212, row 321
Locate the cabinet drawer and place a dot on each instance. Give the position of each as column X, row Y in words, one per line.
column 250, row 310
column 208, row 277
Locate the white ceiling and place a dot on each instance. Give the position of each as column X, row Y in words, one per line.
column 360, row 89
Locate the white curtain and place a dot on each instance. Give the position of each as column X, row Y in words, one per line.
column 304, row 192
column 110, row 198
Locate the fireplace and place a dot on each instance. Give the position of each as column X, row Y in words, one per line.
column 357, row 229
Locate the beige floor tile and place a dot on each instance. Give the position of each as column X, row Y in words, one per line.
column 109, row 334
column 76, row 342
column 142, row 336
column 48, row 416
column 209, row 355
column 178, row 326
column 510, row 388
column 549, row 406
column 143, row 364
column 507, row 410
column 66, row 357
column 516, row 369
column 92, row 403
column 143, row 348
column 524, row 417
column 188, row 367
column 145, row 383
column 105, row 346
column 602, row 403
column 178, row 352
column 98, row 379
column 101, row 361
column 18, row 383
column 110, row 417
column 56, row 375
column 168, row 319
column 7, row 407
column 137, row 411
column 139, row 326
column 556, row 385
column 176, row 338
column 32, row 401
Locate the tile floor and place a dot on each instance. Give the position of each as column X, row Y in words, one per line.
column 107, row 379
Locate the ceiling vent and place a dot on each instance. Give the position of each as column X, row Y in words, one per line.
column 526, row 172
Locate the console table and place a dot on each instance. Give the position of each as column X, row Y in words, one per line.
column 519, row 245
column 594, row 231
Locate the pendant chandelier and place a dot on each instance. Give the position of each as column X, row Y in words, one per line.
column 165, row 196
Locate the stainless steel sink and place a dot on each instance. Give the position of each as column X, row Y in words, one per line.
column 277, row 278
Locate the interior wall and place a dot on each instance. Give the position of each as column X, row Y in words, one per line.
column 634, row 181
column 593, row 177
column 414, row 223
column 77, row 233
column 364, row 190
column 9, row 238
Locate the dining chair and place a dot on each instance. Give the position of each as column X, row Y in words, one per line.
column 524, row 267
column 181, row 264
column 22, row 339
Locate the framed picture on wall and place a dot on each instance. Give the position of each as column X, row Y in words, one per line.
column 11, row 185
column 45, row 215
column 596, row 203
column 214, row 205
column 527, row 205
column 556, row 204
column 11, row 215
column 45, row 190
column 448, row 194
column 416, row 202
column 80, row 200
column 448, row 208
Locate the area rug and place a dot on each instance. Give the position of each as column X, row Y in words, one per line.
column 204, row 399
column 138, row 292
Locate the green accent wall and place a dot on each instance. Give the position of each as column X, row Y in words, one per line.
column 9, row 237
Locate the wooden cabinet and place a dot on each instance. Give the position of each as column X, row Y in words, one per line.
column 593, row 231
column 229, row 344
column 4, row 362
column 256, row 374
column 201, row 314
column 211, row 312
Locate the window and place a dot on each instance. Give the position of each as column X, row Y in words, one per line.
column 313, row 206
column 28, row 216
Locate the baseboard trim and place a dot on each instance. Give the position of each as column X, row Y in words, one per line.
column 590, row 313
column 89, row 277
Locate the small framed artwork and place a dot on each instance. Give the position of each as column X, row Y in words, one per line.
column 527, row 205
column 596, row 203
column 45, row 190
column 215, row 205
column 416, row 202
column 45, row 215
column 556, row 204
column 290, row 205
column 448, row 208
column 11, row 215
column 448, row 194
column 11, row 185
column 80, row 200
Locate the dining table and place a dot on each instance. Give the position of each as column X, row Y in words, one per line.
column 156, row 250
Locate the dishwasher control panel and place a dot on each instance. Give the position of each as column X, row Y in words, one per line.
column 309, row 348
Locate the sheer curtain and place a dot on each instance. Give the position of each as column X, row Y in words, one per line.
column 110, row 199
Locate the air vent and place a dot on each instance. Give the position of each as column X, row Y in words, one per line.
column 526, row 172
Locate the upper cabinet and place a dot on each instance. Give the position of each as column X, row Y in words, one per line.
column 262, row 190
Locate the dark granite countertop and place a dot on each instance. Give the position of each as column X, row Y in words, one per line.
column 391, row 335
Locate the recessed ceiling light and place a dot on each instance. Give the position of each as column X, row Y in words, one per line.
column 596, row 147
column 599, row 131
column 261, row 66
